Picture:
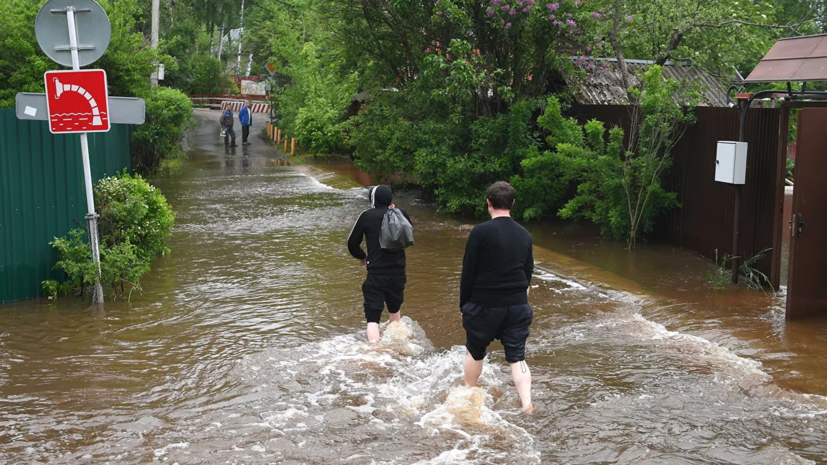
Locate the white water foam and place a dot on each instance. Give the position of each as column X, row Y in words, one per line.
column 400, row 384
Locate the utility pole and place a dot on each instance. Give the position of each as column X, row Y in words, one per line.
column 155, row 19
column 240, row 40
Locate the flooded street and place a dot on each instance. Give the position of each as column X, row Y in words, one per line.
column 248, row 346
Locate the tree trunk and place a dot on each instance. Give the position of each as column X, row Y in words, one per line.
column 621, row 62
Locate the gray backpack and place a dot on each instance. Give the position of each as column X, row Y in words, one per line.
column 397, row 232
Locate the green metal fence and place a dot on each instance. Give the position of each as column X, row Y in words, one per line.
column 42, row 195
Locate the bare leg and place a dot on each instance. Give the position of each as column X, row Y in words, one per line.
column 473, row 370
column 522, row 380
column 396, row 316
column 373, row 332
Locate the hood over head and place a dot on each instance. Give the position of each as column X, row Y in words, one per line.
column 381, row 196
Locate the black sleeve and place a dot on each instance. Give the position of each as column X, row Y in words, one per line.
column 354, row 240
column 469, row 266
column 529, row 262
column 405, row 214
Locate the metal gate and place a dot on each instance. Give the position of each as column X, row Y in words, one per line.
column 807, row 281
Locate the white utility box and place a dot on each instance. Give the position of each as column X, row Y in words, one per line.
column 731, row 162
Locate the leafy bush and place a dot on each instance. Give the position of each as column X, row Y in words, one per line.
column 135, row 221
column 132, row 211
column 168, row 116
column 313, row 109
column 620, row 187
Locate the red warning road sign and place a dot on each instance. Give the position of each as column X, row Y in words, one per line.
column 77, row 101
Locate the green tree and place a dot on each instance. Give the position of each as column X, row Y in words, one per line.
column 620, row 187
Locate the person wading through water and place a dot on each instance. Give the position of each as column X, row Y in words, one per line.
column 385, row 283
column 494, row 287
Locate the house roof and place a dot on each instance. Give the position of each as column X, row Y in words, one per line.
column 604, row 86
column 793, row 59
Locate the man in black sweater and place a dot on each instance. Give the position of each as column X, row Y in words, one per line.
column 386, row 278
column 496, row 274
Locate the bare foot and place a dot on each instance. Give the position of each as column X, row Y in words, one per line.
column 530, row 409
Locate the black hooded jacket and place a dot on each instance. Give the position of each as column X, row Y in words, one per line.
column 368, row 225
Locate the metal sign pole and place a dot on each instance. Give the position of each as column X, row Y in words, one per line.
column 91, row 217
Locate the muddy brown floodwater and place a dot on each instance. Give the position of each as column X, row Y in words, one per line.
column 247, row 346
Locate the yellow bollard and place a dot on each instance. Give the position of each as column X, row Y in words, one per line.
column 285, row 144
column 293, row 147
column 278, row 136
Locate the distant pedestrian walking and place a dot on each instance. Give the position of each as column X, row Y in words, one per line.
column 227, row 124
column 245, row 117
column 496, row 274
column 385, row 283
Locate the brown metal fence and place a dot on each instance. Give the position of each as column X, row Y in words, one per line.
column 704, row 221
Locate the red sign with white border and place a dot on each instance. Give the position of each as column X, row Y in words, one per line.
column 77, row 101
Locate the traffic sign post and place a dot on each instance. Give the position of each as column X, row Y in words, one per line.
column 67, row 115
column 77, row 101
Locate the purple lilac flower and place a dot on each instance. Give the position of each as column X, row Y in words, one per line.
column 629, row 18
column 591, row 65
column 595, row 15
column 578, row 3
column 606, row 65
column 600, row 45
column 490, row 12
column 568, row 16
column 571, row 23
column 508, row 25
column 502, row 21
column 505, row 7
column 526, row 9
column 580, row 61
column 588, row 49
column 512, row 12
column 553, row 6
column 551, row 17
column 495, row 2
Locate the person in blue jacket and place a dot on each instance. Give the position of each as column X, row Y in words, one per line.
column 246, row 119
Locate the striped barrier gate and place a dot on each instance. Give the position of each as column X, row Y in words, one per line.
column 254, row 107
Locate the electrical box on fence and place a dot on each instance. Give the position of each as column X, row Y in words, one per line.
column 731, row 162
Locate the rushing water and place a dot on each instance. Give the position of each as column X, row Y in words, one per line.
column 248, row 346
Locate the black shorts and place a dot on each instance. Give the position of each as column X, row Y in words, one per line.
column 508, row 324
column 380, row 290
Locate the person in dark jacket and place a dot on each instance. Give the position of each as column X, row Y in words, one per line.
column 493, row 291
column 227, row 123
column 385, row 283
column 246, row 120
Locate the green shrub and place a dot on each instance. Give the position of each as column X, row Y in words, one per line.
column 135, row 221
column 132, row 211
column 620, row 187
column 168, row 116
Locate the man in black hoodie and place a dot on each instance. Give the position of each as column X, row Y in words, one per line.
column 386, row 279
